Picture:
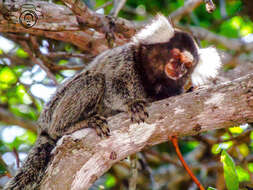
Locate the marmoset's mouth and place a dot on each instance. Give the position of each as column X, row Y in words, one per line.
column 174, row 71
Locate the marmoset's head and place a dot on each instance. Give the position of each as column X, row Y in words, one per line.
column 173, row 53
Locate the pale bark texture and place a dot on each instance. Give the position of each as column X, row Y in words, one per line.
column 82, row 157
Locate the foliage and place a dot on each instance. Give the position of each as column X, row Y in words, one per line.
column 230, row 174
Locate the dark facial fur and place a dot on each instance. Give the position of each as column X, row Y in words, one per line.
column 165, row 67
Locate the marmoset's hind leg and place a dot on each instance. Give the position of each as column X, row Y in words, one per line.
column 97, row 122
column 79, row 105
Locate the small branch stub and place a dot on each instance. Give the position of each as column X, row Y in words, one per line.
column 210, row 6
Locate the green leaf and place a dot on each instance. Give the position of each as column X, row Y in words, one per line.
column 246, row 29
column 250, row 166
column 15, row 144
column 19, row 69
column 63, row 62
column 3, row 167
column 236, row 130
column 188, row 147
column 244, row 149
column 234, row 7
column 231, row 177
column 230, row 28
column 68, row 48
column 243, row 174
column 22, row 95
column 7, row 76
column 216, row 149
column 3, row 148
column 110, row 181
column 21, row 53
column 251, row 135
column 211, row 188
column 28, row 137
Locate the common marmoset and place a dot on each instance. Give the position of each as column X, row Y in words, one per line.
column 155, row 64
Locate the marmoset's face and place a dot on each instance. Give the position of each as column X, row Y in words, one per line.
column 179, row 63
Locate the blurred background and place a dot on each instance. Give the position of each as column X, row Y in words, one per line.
column 25, row 86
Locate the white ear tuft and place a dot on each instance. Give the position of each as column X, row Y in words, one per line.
column 208, row 66
column 159, row 31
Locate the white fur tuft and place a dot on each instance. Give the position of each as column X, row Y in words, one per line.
column 208, row 66
column 159, row 31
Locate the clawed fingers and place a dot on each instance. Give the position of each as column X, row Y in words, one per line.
column 99, row 123
column 137, row 111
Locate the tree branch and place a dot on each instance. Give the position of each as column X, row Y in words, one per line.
column 117, row 6
column 10, row 119
column 97, row 21
column 236, row 44
column 60, row 23
column 38, row 62
column 221, row 106
column 188, row 7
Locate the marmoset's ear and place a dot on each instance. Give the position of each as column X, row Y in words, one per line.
column 159, row 31
column 208, row 66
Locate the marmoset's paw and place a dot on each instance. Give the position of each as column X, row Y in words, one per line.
column 137, row 110
column 99, row 123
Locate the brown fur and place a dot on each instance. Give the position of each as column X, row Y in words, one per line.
column 122, row 79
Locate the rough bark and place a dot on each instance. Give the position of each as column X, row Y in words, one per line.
column 82, row 157
column 60, row 23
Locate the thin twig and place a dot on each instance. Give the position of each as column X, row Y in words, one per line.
column 68, row 67
column 163, row 157
column 11, row 119
column 143, row 160
column 181, row 158
column 236, row 44
column 187, row 8
column 69, row 55
column 134, row 172
column 104, row 5
column 38, row 62
column 238, row 137
column 118, row 5
column 15, row 152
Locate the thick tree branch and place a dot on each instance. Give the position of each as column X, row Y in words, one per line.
column 60, row 23
column 221, row 106
column 98, row 21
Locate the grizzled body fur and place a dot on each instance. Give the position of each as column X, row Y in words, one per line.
column 122, row 79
